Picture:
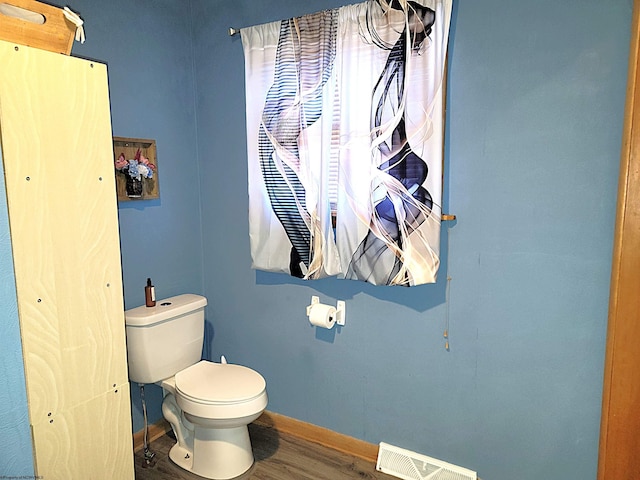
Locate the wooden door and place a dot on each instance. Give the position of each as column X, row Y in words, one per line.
column 58, row 157
column 619, row 457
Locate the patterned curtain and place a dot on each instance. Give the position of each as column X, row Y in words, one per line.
column 345, row 117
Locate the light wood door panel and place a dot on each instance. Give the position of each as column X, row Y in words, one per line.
column 89, row 449
column 57, row 149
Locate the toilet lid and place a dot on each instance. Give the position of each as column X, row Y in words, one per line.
column 208, row 382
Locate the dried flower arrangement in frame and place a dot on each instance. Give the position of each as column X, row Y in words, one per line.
column 136, row 167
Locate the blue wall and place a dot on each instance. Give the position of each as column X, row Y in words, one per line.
column 15, row 437
column 535, row 111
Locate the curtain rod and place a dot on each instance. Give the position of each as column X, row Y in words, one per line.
column 234, row 31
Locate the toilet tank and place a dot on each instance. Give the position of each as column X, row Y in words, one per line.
column 164, row 339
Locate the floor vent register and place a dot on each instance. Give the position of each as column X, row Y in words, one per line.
column 414, row 466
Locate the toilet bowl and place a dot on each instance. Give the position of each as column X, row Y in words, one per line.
column 217, row 402
column 209, row 405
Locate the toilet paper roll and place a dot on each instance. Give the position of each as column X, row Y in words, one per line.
column 323, row 316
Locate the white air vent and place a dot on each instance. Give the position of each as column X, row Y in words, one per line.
column 413, row 466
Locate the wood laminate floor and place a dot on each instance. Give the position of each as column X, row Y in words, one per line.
column 279, row 456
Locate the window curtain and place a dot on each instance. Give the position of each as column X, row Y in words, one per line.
column 345, row 117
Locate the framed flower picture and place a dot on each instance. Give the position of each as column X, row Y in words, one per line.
column 136, row 168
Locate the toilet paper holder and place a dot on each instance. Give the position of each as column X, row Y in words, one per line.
column 340, row 309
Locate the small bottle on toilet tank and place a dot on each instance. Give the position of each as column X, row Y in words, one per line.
column 150, row 294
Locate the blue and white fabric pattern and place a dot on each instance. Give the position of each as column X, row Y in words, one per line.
column 345, row 118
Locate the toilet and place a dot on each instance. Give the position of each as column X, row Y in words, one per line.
column 209, row 405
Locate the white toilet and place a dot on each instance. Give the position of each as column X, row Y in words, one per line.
column 209, row 405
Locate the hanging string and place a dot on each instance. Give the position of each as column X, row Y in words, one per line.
column 447, row 296
column 446, row 321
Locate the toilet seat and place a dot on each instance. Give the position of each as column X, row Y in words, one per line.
column 213, row 391
column 215, row 383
